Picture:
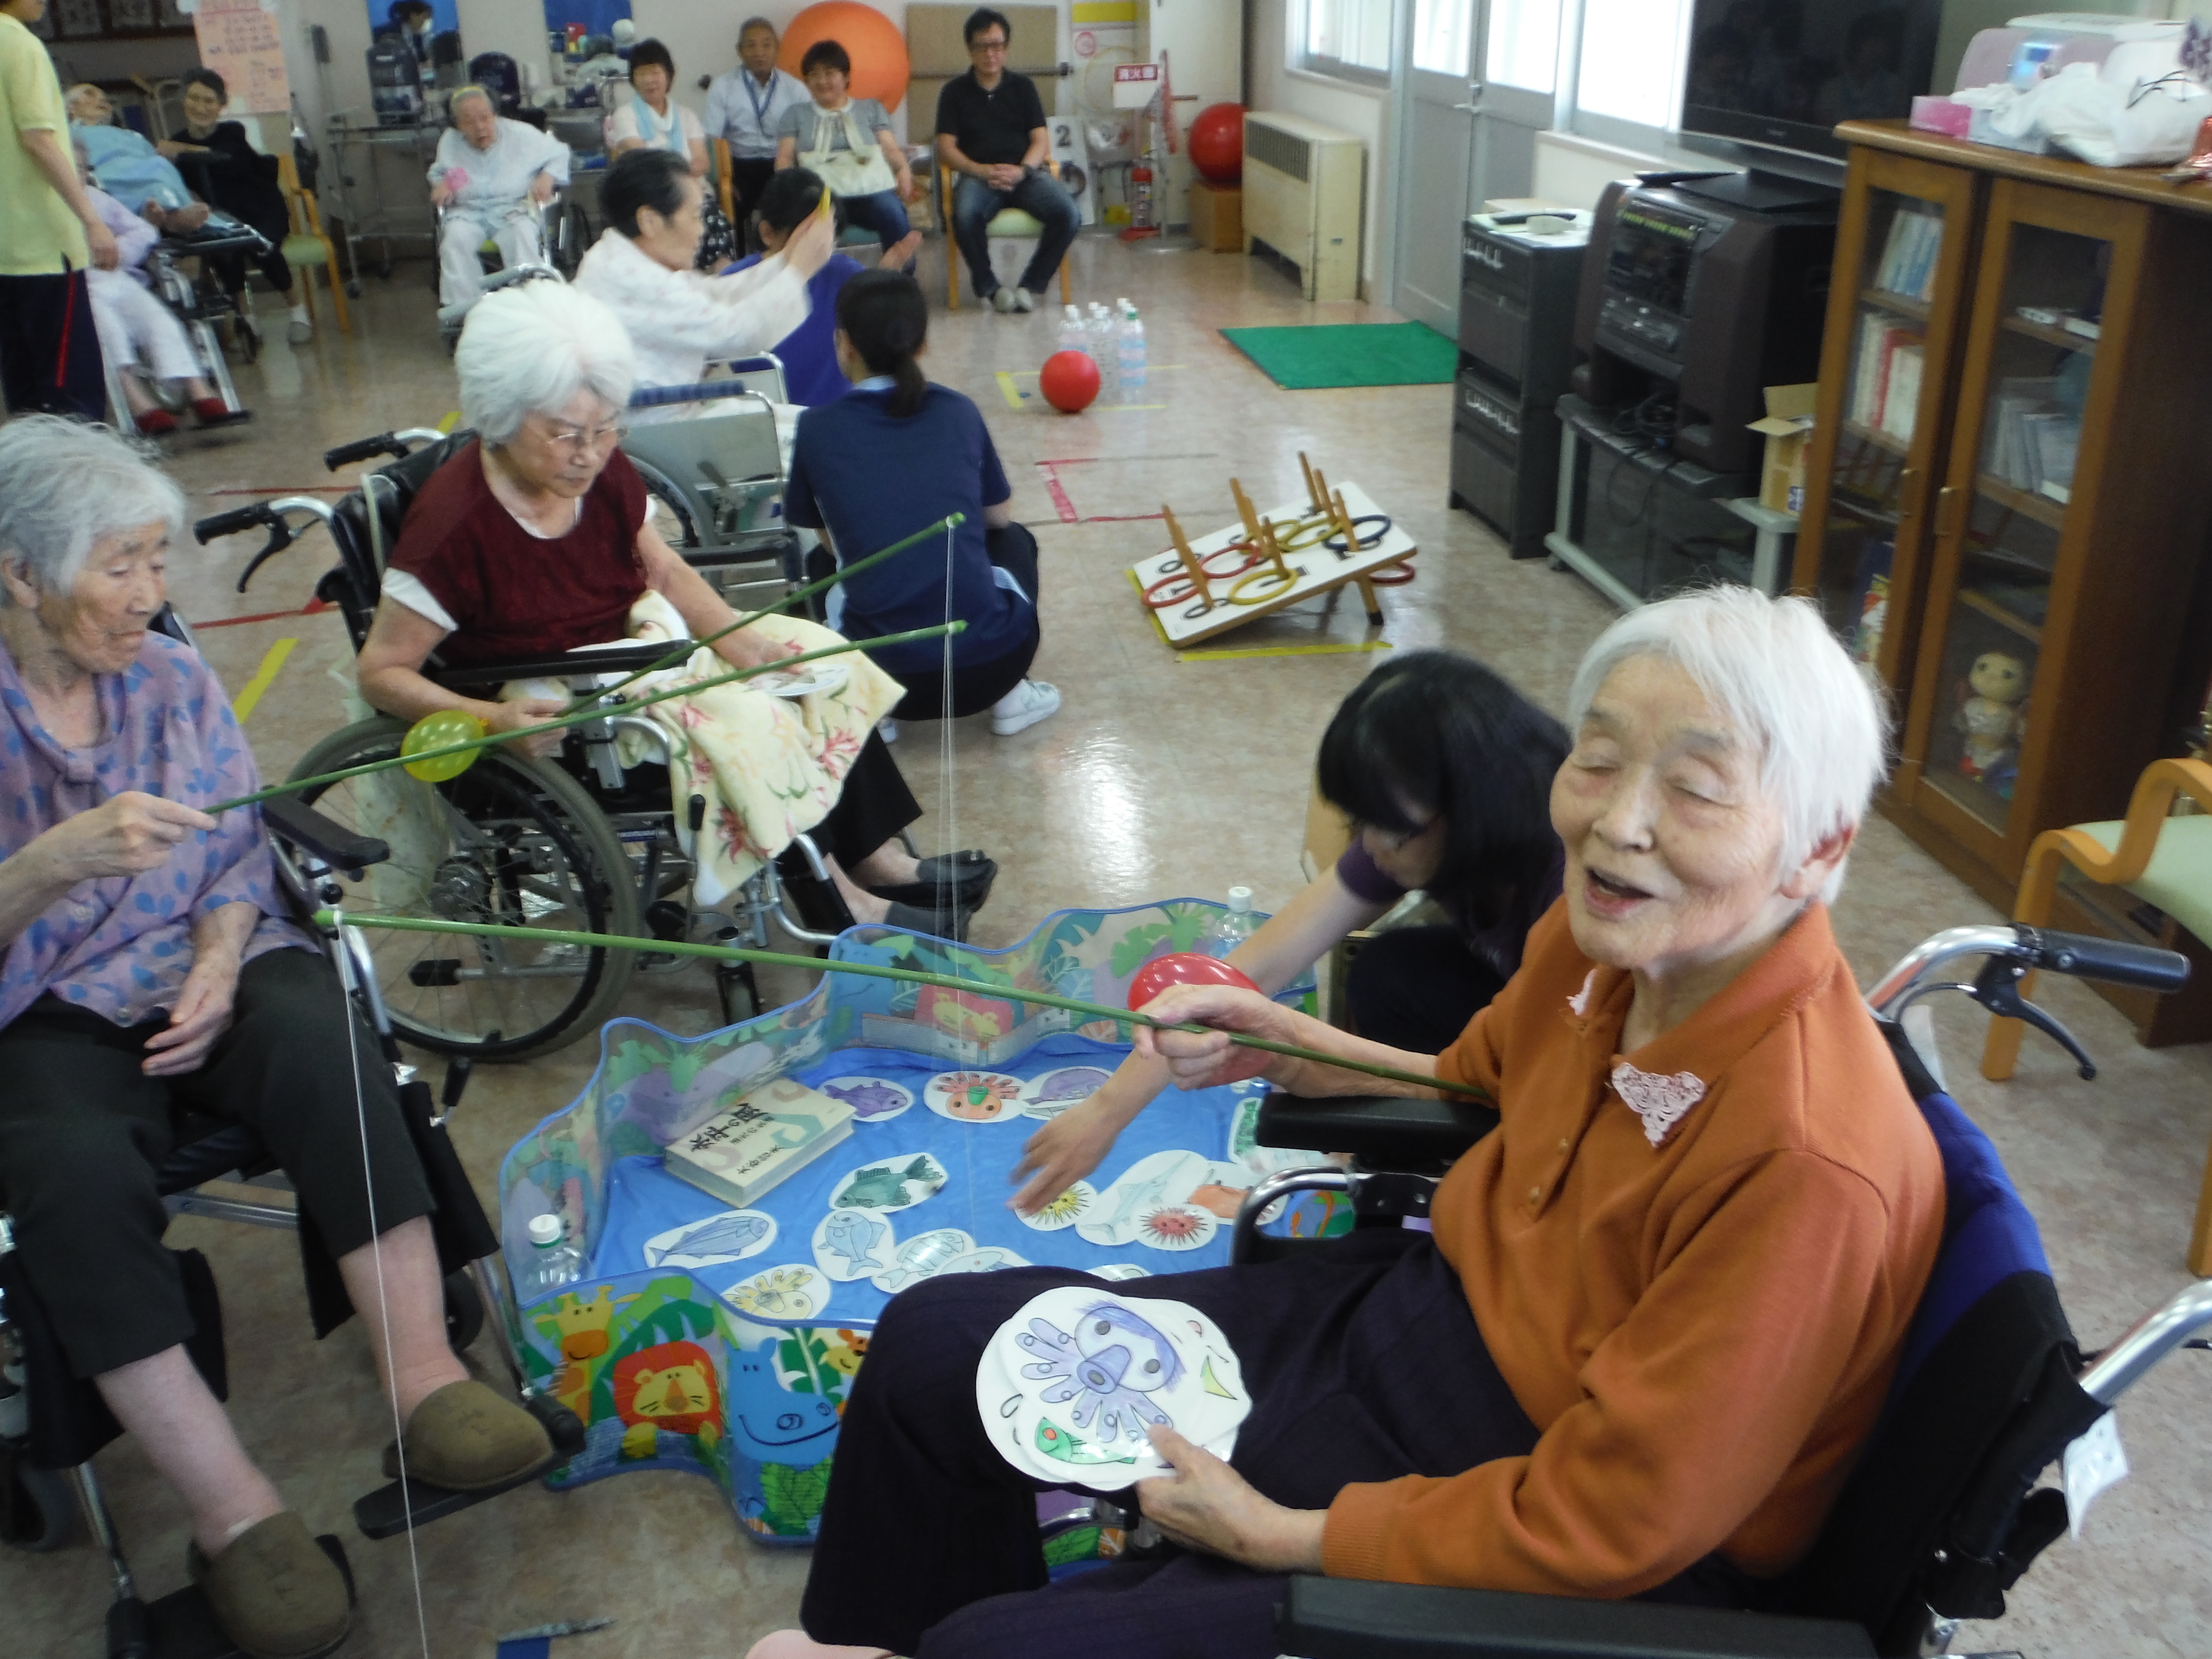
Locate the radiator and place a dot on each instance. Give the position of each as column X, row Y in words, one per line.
column 1303, row 187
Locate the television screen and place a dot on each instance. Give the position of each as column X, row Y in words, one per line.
column 1782, row 73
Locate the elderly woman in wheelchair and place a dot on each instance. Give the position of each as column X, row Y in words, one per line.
column 538, row 538
column 1662, row 1301
column 149, row 972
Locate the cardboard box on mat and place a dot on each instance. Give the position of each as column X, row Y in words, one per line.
column 1216, row 216
column 1788, row 428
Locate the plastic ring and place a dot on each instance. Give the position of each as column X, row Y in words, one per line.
column 1282, row 580
column 1404, row 573
column 1156, row 601
column 1307, row 533
column 1246, row 553
column 1335, row 544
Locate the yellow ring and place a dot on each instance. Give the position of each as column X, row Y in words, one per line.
column 1282, row 579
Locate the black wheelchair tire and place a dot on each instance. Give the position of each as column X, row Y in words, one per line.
column 465, row 1311
column 565, row 809
column 38, row 1512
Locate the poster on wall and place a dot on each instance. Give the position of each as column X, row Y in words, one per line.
column 241, row 41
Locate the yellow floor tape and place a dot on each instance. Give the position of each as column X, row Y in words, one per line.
column 1160, row 628
column 263, row 677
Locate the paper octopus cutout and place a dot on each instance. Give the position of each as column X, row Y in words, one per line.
column 1107, row 1365
column 978, row 1096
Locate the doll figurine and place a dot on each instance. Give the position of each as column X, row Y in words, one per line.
column 1991, row 719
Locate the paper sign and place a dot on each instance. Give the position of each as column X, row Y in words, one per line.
column 1135, row 85
column 244, row 44
column 2092, row 1462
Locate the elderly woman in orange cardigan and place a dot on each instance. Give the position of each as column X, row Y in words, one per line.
column 1662, row 1303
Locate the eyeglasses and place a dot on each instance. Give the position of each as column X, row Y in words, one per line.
column 578, row 442
column 987, row 45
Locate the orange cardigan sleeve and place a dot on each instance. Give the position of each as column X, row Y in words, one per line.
column 1694, row 1409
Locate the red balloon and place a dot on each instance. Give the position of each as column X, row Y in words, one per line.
column 1216, row 143
column 1069, row 381
column 1183, row 967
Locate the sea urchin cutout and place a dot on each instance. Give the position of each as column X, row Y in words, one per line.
column 1070, row 1207
column 1175, row 1227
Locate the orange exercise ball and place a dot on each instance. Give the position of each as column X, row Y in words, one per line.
column 871, row 40
column 1069, row 381
column 1216, row 144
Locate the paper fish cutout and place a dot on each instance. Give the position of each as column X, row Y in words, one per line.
column 890, row 1183
column 852, row 1244
column 920, row 1257
column 1055, row 1092
column 729, row 1236
column 873, row 1099
column 1061, row 1446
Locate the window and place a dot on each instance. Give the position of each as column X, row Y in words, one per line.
column 1631, row 67
column 1350, row 38
column 1442, row 31
column 1524, row 45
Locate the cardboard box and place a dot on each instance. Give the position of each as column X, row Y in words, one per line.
column 1789, row 429
column 1216, row 216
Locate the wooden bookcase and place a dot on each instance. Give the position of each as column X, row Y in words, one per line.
column 2055, row 316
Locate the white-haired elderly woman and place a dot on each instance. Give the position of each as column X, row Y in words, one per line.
column 489, row 179
column 147, row 970
column 1662, row 1303
column 538, row 539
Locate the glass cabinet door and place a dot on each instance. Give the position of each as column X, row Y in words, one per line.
column 1891, row 321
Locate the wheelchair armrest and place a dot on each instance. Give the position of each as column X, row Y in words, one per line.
column 1357, row 1618
column 291, row 819
column 1383, row 1131
column 569, row 664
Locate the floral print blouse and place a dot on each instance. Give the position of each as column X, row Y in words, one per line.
column 121, row 946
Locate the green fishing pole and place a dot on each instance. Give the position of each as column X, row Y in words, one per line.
column 472, row 746
column 951, row 520
column 328, row 918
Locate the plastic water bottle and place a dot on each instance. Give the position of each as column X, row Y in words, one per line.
column 1235, row 925
column 1101, row 336
column 553, row 1261
column 1132, row 344
column 1073, row 337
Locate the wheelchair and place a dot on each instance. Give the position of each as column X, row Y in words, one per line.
column 592, row 839
column 1942, row 1514
column 199, row 303
column 50, row 1426
column 564, row 236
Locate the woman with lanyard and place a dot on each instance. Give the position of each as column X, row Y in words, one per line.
column 652, row 120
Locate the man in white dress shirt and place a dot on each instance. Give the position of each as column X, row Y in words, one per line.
column 745, row 105
column 491, row 175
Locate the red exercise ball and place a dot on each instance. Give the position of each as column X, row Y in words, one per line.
column 1183, row 967
column 872, row 40
column 1216, row 144
column 1069, row 381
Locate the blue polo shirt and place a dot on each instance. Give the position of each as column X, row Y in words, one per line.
column 872, row 479
column 809, row 352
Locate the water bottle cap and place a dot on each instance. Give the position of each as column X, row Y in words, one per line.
column 544, row 1231
column 1240, row 900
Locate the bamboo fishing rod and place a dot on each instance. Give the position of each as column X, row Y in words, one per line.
column 576, row 717
column 339, row 918
column 949, row 522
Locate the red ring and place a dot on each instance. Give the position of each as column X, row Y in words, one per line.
column 1404, row 567
column 1189, row 590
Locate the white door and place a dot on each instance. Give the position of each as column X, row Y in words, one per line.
column 1476, row 78
column 1204, row 40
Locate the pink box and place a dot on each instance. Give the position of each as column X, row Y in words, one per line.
column 1943, row 115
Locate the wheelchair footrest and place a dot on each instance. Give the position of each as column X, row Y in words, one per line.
column 182, row 1625
column 385, row 1512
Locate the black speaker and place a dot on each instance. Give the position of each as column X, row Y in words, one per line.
column 1517, row 317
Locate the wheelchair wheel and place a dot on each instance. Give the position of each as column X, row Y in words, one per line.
column 512, row 841
column 37, row 1507
column 465, row 1311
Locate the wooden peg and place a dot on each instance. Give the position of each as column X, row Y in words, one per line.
column 1345, row 528
column 1191, row 565
column 1245, row 510
column 1313, row 490
column 1320, row 492
column 1273, row 550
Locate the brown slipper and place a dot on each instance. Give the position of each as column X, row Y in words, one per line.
column 466, row 1437
column 274, row 1591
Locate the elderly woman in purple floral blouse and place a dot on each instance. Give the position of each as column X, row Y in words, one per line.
column 146, row 968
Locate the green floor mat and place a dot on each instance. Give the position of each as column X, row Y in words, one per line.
column 1349, row 354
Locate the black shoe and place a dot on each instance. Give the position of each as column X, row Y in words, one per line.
column 965, row 877
column 937, row 924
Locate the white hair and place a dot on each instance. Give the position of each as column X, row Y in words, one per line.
column 530, row 349
column 461, row 96
column 65, row 488
column 1774, row 668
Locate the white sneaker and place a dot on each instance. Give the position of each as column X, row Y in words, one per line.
column 1024, row 299
column 300, row 328
column 887, row 729
column 1003, row 299
column 1024, row 706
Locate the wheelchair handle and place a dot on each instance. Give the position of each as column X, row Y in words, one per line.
column 2114, row 961
column 399, row 445
column 230, row 523
column 274, row 515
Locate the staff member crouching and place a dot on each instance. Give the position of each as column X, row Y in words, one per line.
column 1664, row 1300
column 148, row 971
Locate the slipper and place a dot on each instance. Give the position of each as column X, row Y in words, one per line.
column 468, row 1438
column 213, row 411
column 968, row 876
column 274, row 1591
column 937, row 924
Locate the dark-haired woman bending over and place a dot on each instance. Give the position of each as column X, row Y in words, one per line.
column 897, row 453
column 1446, row 771
column 809, row 352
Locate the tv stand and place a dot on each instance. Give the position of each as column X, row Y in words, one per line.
column 1764, row 192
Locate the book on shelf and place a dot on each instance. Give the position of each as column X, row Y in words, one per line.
column 772, row 1132
column 2020, row 401
column 1901, row 389
column 1885, row 378
column 1910, row 256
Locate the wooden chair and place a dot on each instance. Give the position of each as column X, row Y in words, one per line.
column 1011, row 223
column 2164, row 861
column 307, row 247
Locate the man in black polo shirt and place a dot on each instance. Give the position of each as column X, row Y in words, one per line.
column 991, row 133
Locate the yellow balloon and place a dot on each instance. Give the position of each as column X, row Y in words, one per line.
column 441, row 730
